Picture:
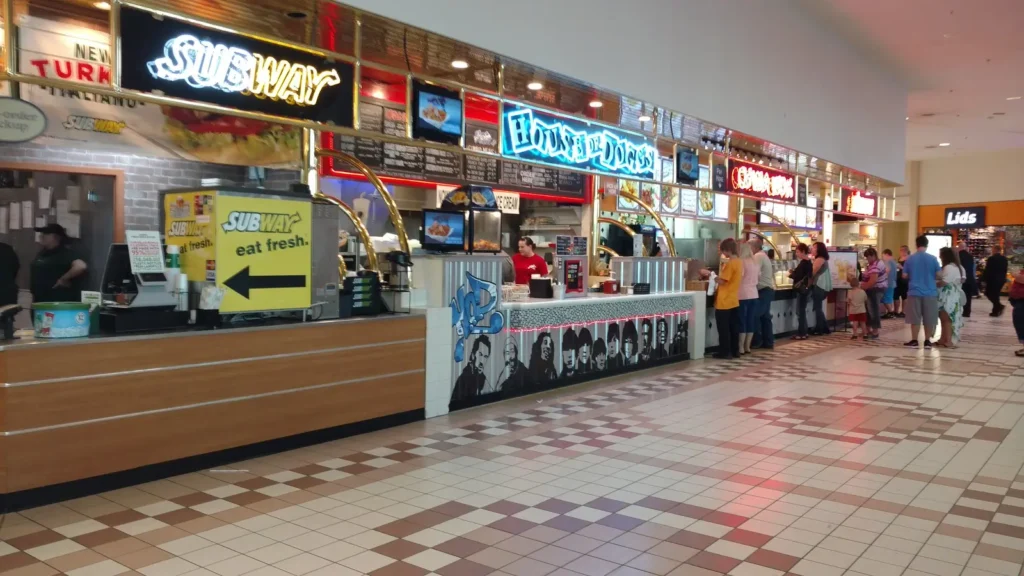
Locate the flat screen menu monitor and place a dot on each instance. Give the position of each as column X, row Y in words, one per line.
column 443, row 231
column 437, row 113
column 687, row 166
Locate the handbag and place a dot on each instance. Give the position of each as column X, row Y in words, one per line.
column 1016, row 291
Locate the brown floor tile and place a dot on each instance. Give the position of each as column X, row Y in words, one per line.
column 311, row 469
column 400, row 528
column 247, row 498
column 37, row 569
column 144, row 557
column 992, row 434
column 400, row 549
column 201, row 524
column 119, row 548
column 358, row 469
column 162, row 535
column 255, row 483
column 657, row 503
column 178, row 516
column 463, row 547
column 607, row 504
column 620, row 522
column 713, row 562
column 268, row 505
column 453, row 509
column 746, row 537
column 773, row 560
column 16, row 560
column 305, row 483
column 399, row 569
column 76, row 560
column 465, row 568
column 193, row 499
column 512, row 525
column 427, row 519
column 567, row 523
column 36, row 539
column 725, row 519
column 505, row 507
column 105, row 536
column 692, row 539
column 1000, row 553
column 490, row 536
column 691, row 511
column 557, row 506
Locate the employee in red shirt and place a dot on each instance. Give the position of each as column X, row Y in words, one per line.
column 527, row 263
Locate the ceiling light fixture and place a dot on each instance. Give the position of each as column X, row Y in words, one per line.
column 645, row 118
column 534, row 86
column 943, row 144
column 907, row 118
column 460, row 64
column 596, row 103
column 102, row 5
column 1014, row 98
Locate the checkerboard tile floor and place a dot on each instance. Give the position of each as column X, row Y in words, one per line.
column 819, row 458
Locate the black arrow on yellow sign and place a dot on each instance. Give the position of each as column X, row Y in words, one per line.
column 243, row 282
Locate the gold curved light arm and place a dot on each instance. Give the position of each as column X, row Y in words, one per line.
column 342, row 268
column 765, row 238
column 657, row 219
column 396, row 218
column 620, row 226
column 773, row 217
column 607, row 250
column 364, row 234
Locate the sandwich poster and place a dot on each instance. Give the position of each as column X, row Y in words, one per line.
column 118, row 124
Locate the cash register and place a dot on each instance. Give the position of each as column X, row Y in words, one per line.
column 136, row 302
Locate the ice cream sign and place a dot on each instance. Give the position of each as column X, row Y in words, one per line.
column 203, row 64
column 192, row 61
column 539, row 136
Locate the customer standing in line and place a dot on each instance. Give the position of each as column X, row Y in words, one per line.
column 748, row 297
column 921, row 270
column 889, row 295
column 1017, row 301
column 727, row 301
column 900, row 297
column 970, row 281
column 801, row 276
column 996, row 267
column 951, row 298
column 821, row 285
column 873, row 281
column 764, row 331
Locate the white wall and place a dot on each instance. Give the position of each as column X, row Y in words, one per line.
column 989, row 177
column 769, row 69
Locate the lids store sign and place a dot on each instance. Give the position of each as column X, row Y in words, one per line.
column 970, row 217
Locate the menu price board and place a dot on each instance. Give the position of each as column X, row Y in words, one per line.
column 519, row 174
column 402, row 158
column 570, row 182
column 368, row 150
column 394, row 123
column 482, row 137
column 442, row 163
column 479, row 169
column 371, row 117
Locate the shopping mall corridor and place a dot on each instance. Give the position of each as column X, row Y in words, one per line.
column 820, row 458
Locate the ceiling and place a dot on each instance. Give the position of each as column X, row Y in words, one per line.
column 961, row 59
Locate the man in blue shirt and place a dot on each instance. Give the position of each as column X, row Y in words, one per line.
column 921, row 271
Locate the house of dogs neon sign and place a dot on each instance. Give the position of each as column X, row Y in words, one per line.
column 535, row 135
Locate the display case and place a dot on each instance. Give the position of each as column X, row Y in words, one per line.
column 485, row 231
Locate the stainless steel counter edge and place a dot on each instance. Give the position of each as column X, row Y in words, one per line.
column 56, row 342
column 591, row 299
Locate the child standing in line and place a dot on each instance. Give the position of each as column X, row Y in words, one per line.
column 856, row 303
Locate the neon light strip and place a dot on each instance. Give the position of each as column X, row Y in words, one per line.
column 203, row 64
column 556, row 140
column 552, row 327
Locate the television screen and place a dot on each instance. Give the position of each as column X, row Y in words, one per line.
column 687, row 166
column 437, row 113
column 444, row 230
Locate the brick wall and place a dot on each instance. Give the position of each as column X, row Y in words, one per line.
column 144, row 175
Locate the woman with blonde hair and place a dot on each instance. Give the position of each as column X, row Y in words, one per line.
column 748, row 296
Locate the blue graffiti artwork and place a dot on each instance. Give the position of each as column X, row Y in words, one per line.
column 468, row 312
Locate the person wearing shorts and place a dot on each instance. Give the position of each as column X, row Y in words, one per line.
column 889, row 295
column 857, row 304
column 900, row 296
column 922, row 306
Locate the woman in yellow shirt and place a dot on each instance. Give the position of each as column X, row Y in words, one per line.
column 727, row 301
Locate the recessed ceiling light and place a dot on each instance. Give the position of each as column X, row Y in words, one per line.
column 645, row 118
column 1014, row 98
column 102, row 5
column 907, row 118
column 943, row 144
column 596, row 103
column 534, row 86
column 460, row 64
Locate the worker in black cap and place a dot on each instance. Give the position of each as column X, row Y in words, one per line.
column 57, row 272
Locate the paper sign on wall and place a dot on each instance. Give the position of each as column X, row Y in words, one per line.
column 15, row 216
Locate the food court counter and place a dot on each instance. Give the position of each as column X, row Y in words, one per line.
column 83, row 408
column 484, row 349
column 784, row 315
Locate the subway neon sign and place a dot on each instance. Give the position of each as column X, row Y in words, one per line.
column 534, row 135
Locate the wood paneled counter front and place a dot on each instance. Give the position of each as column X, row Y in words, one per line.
column 77, row 409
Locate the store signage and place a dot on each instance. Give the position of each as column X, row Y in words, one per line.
column 970, row 217
column 183, row 60
column 754, row 180
column 719, row 177
column 858, row 202
column 20, row 121
column 145, row 254
column 534, row 135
